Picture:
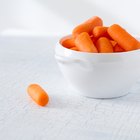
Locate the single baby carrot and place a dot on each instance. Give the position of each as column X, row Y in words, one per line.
column 84, row 43
column 87, row 26
column 100, row 31
column 38, row 94
column 74, row 48
column 117, row 48
column 114, row 43
column 123, row 38
column 93, row 39
column 67, row 42
column 104, row 46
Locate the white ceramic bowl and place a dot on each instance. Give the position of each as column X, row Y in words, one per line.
column 99, row 75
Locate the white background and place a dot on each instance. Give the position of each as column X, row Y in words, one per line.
column 58, row 17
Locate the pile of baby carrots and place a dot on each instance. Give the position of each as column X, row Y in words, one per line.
column 91, row 36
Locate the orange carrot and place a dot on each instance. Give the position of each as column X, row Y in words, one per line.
column 84, row 43
column 104, row 46
column 87, row 26
column 38, row 94
column 117, row 48
column 114, row 43
column 67, row 42
column 93, row 39
column 123, row 38
column 74, row 48
column 100, row 31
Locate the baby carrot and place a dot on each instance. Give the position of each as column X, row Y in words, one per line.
column 84, row 43
column 93, row 39
column 117, row 48
column 87, row 26
column 74, row 48
column 104, row 46
column 123, row 38
column 38, row 94
column 67, row 42
column 114, row 43
column 100, row 31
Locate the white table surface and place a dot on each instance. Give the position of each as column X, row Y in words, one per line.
column 68, row 116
